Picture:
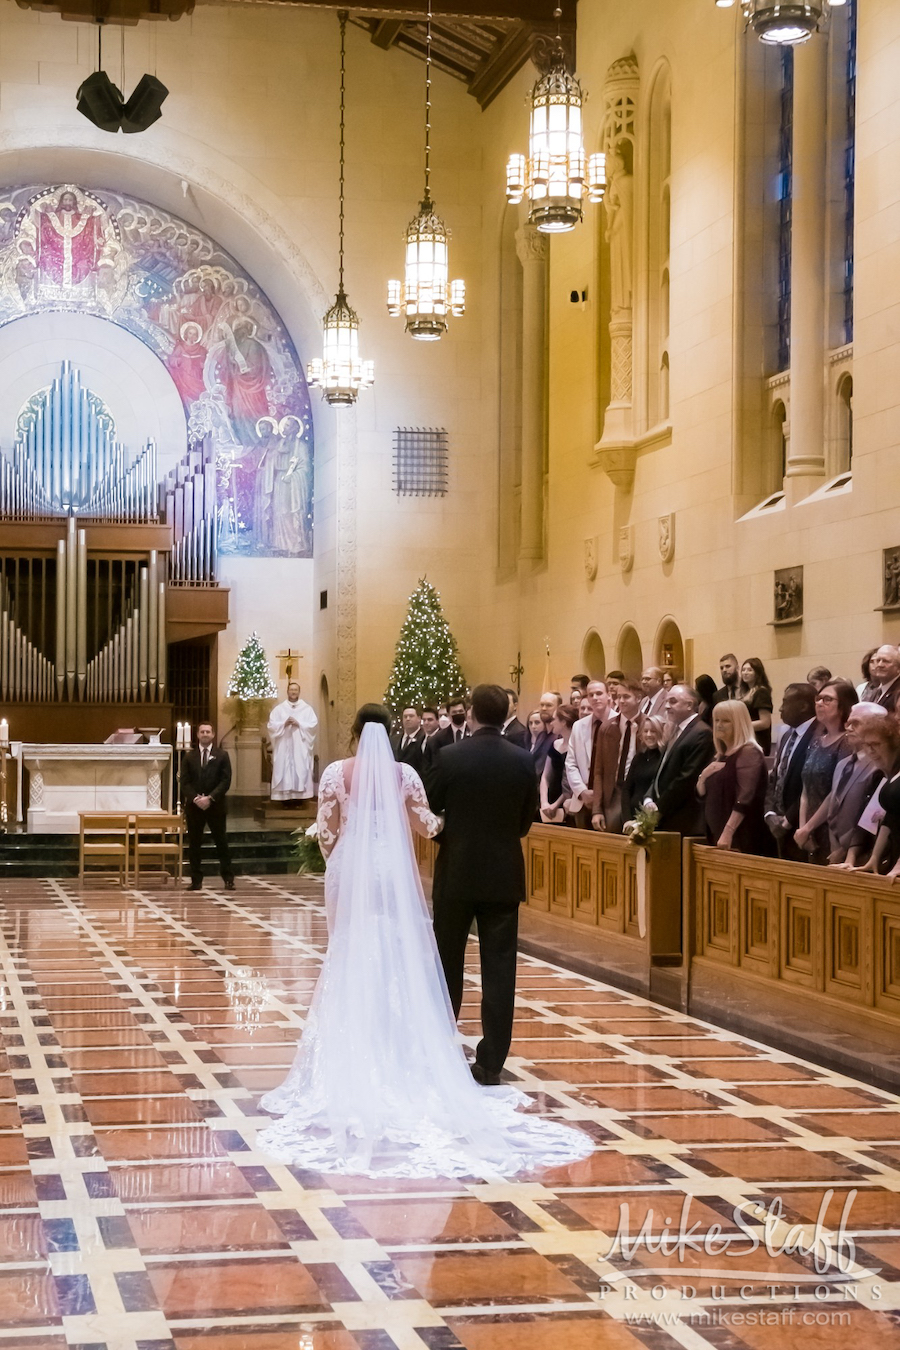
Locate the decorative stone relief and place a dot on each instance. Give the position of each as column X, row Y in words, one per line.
column 788, row 595
column 667, row 537
column 36, row 795
column 626, row 547
column 154, row 789
column 590, row 558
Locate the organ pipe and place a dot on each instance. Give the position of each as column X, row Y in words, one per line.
column 81, row 621
column 153, row 615
column 71, row 604
column 60, row 616
column 143, row 635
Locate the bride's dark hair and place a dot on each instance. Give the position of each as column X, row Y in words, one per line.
column 371, row 712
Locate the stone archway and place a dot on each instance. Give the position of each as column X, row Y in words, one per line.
column 629, row 654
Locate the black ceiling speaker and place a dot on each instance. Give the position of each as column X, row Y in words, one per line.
column 100, row 102
column 145, row 105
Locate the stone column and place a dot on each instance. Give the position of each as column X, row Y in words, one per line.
column 806, row 453
column 533, row 251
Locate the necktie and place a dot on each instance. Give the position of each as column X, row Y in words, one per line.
column 404, row 743
column 784, row 759
column 623, row 754
column 846, row 774
column 204, row 758
column 458, row 734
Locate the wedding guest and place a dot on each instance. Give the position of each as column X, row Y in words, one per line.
column 782, row 810
column 430, row 723
column 668, row 679
column 580, row 757
column 575, row 698
column 756, row 694
column 865, row 689
column 579, row 684
column 881, row 741
column 555, row 790
column 584, row 707
column 733, row 785
column 616, row 747
column 613, row 680
column 408, row 744
column 457, row 729
column 205, row 780
column 644, row 767
column 829, row 745
column 706, row 692
column 542, row 733
column 855, row 780
column 512, row 728
column 533, row 725
column 687, row 753
column 818, row 677
column 884, row 665
column 731, row 678
column 654, row 693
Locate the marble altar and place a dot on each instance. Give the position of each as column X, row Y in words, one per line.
column 66, row 779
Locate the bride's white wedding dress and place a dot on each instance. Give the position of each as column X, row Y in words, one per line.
column 380, row 1085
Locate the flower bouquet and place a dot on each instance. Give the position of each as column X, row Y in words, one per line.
column 641, row 829
column 307, row 851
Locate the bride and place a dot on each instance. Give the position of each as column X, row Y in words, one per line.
column 380, row 1085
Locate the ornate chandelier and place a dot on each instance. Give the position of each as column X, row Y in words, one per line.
column 425, row 295
column 341, row 374
column 555, row 174
column 783, row 24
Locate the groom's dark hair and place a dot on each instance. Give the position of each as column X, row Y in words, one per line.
column 371, row 712
column 490, row 705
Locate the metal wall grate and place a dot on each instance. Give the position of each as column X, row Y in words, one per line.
column 420, row 462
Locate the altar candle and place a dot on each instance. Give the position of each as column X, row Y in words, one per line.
column 4, row 732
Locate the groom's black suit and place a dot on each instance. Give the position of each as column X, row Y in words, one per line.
column 486, row 788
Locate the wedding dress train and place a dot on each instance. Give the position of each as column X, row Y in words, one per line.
column 380, row 1085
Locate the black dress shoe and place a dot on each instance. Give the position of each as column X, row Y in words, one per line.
column 229, row 883
column 481, row 1075
column 195, row 886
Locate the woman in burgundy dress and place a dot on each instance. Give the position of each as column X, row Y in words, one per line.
column 733, row 786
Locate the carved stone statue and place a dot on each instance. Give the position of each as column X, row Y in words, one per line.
column 620, row 234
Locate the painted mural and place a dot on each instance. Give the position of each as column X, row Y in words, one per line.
column 64, row 247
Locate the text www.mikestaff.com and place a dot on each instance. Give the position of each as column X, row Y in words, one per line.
column 744, row 1317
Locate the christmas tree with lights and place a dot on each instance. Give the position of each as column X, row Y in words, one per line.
column 426, row 670
column 251, row 678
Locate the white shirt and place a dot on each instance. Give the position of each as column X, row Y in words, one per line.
column 578, row 756
column 654, row 704
column 632, row 744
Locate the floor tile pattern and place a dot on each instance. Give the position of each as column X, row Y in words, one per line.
column 140, row 1029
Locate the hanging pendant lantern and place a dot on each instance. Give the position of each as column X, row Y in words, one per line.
column 341, row 373
column 784, row 24
column 556, row 175
column 426, row 296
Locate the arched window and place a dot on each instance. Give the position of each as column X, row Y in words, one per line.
column 777, row 457
column 593, row 657
column 659, row 156
column 844, row 438
column 629, row 655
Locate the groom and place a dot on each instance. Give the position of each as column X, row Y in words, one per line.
column 486, row 788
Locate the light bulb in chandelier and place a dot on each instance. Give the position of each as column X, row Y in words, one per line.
column 426, row 296
column 341, row 373
column 556, row 175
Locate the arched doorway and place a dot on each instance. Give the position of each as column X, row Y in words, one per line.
column 593, row 657
column 629, row 654
column 668, row 649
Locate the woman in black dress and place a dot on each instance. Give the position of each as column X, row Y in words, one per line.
column 644, row 766
column 756, row 693
column 554, row 785
column 733, row 786
column 706, row 691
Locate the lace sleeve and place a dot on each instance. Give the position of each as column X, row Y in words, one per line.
column 423, row 820
column 328, row 817
column 750, row 767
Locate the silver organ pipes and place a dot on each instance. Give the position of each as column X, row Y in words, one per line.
column 83, row 622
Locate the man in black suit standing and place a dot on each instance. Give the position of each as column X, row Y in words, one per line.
column 486, row 789
column 512, row 728
column 458, row 730
column 408, row 745
column 785, row 786
column 689, row 750
column 205, row 779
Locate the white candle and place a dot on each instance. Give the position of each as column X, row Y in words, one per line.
column 4, row 732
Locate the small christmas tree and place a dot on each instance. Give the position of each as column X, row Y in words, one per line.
column 251, row 678
column 426, row 667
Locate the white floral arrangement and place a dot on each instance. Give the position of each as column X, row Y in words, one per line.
column 307, row 851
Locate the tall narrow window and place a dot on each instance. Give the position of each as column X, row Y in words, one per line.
column 658, row 236
column 785, row 192
column 844, row 457
column 850, row 171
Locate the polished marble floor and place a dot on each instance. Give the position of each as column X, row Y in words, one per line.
column 140, row 1029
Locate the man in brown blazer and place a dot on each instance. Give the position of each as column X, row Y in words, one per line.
column 616, row 747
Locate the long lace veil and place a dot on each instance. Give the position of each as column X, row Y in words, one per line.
column 380, row 1083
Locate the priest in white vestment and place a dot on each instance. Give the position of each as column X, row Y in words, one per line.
column 292, row 731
